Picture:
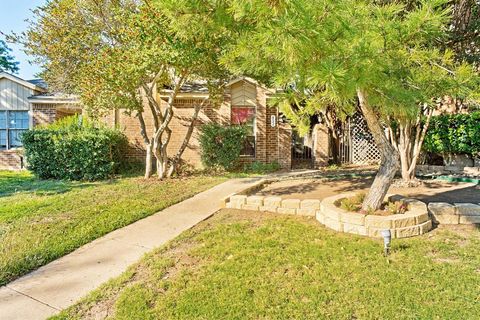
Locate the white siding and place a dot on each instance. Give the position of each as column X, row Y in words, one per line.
column 244, row 94
column 14, row 96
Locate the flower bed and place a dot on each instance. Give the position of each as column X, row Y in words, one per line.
column 415, row 221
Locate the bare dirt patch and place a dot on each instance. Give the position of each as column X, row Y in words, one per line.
column 176, row 252
column 320, row 188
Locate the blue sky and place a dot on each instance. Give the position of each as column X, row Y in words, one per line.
column 12, row 18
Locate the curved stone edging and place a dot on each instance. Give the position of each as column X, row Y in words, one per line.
column 457, row 213
column 412, row 223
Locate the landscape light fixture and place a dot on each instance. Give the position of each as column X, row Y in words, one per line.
column 387, row 239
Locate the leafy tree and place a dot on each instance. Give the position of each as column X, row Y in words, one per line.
column 120, row 54
column 463, row 32
column 343, row 53
column 7, row 61
column 454, row 134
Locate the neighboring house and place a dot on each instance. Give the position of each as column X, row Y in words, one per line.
column 23, row 105
column 26, row 104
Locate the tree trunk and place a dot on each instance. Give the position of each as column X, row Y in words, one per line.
column 404, row 148
column 148, row 146
column 162, row 154
column 161, row 137
column 331, row 121
column 148, row 160
column 389, row 157
column 411, row 137
column 186, row 140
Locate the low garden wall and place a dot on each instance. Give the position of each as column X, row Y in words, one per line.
column 423, row 170
column 274, row 204
column 456, row 213
column 414, row 222
column 418, row 219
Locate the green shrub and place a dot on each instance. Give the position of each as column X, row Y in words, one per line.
column 353, row 204
column 397, row 207
column 73, row 149
column 454, row 134
column 221, row 145
column 259, row 167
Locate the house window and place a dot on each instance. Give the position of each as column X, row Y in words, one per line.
column 12, row 125
column 246, row 116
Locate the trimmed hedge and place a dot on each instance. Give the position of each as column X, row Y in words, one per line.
column 454, row 134
column 221, row 145
column 73, row 149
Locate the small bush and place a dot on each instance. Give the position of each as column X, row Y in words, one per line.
column 397, row 207
column 73, row 149
column 221, row 145
column 259, row 167
column 353, row 204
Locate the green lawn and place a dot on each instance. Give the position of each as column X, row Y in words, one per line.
column 43, row 220
column 241, row 265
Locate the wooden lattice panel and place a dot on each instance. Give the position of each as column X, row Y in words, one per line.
column 364, row 150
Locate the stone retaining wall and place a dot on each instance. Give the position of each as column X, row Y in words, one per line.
column 457, row 213
column 448, row 170
column 412, row 223
column 274, row 204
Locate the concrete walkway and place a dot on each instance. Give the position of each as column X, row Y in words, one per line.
column 62, row 282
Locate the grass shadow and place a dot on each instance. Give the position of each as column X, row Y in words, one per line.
column 18, row 182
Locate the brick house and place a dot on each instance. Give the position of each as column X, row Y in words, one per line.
column 24, row 105
column 244, row 102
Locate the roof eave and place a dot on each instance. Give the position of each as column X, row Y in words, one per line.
column 53, row 100
column 21, row 82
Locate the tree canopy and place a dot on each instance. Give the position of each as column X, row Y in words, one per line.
column 7, row 61
column 385, row 58
column 121, row 53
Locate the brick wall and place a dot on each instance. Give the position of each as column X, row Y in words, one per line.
column 10, row 160
column 43, row 114
column 261, row 123
column 47, row 113
column 267, row 144
column 320, row 146
column 272, row 148
column 285, row 145
column 183, row 112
